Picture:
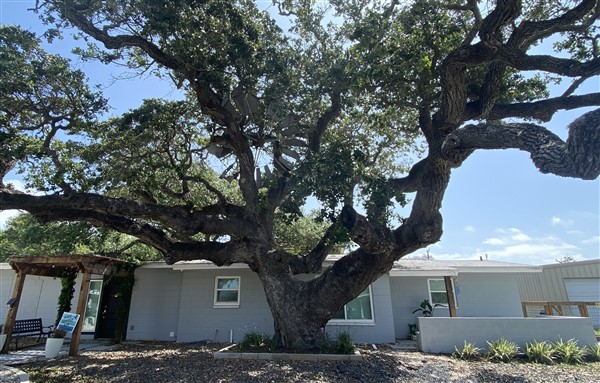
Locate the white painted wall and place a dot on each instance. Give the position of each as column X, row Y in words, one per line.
column 442, row 335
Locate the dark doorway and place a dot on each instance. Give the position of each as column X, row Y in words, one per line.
column 109, row 309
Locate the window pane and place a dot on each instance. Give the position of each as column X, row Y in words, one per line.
column 227, row 296
column 91, row 308
column 227, row 283
column 359, row 308
column 440, row 298
column 437, row 285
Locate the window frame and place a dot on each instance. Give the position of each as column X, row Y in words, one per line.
column 436, row 291
column 346, row 322
column 216, row 303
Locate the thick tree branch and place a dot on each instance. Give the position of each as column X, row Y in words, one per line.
column 541, row 110
column 219, row 253
column 529, row 32
column 178, row 218
column 146, row 233
column 579, row 157
column 313, row 261
column 209, row 101
column 563, row 67
column 324, row 121
column 411, row 182
column 370, row 236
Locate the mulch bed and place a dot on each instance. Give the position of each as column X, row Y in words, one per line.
column 158, row 362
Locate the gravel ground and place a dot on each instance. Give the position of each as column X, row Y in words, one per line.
column 168, row 362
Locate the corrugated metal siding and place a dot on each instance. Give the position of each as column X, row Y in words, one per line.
column 549, row 285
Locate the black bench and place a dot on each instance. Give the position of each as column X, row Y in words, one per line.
column 29, row 327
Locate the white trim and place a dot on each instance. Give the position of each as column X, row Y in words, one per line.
column 500, row 269
column 221, row 305
column 356, row 322
column 207, row 266
column 423, row 273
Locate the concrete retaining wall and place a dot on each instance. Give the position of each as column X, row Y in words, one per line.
column 441, row 335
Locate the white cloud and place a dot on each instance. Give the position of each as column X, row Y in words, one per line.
column 494, row 242
column 521, row 237
column 513, row 245
column 507, row 236
column 540, row 250
column 591, row 241
column 469, row 228
column 557, row 221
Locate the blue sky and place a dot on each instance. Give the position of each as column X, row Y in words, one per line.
column 497, row 203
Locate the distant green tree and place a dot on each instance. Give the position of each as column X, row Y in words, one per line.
column 23, row 235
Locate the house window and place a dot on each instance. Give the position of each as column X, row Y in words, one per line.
column 359, row 310
column 227, row 291
column 437, row 292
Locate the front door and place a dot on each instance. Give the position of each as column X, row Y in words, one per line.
column 109, row 309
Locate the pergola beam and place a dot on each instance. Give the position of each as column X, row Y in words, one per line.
column 57, row 266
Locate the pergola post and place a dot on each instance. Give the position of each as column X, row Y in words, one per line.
column 11, row 316
column 450, row 295
column 81, row 303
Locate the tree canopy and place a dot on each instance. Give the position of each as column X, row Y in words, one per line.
column 355, row 103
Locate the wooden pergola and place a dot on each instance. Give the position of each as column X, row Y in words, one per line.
column 57, row 266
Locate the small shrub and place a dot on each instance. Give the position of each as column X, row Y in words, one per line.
column 467, row 352
column 594, row 353
column 343, row 343
column 323, row 341
column 568, row 352
column 540, row 352
column 256, row 340
column 502, row 350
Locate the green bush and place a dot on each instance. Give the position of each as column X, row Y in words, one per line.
column 540, row 352
column 594, row 353
column 343, row 343
column 256, row 340
column 502, row 350
column 568, row 352
column 468, row 351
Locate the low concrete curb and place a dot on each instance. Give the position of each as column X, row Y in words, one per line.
column 226, row 354
column 23, row 376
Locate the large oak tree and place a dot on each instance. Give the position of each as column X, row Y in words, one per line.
column 333, row 107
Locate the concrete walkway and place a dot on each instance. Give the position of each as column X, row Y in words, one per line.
column 8, row 362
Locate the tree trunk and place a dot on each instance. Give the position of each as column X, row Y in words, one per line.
column 296, row 319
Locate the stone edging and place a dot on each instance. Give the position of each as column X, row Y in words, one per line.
column 21, row 375
column 224, row 354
